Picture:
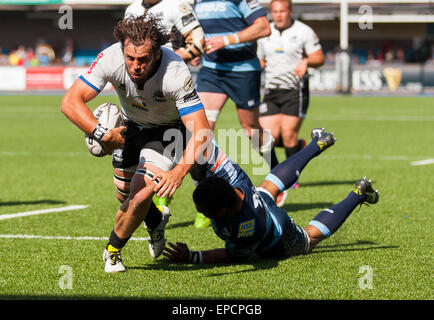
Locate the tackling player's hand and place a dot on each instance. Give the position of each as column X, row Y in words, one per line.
column 178, row 252
column 114, row 138
column 169, row 182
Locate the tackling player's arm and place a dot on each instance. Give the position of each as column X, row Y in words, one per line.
column 180, row 253
column 258, row 29
column 74, row 107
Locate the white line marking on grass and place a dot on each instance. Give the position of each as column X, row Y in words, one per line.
column 422, row 162
column 31, row 236
column 35, row 212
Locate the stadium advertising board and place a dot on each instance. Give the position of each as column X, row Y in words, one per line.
column 384, row 79
column 411, row 79
column 44, row 78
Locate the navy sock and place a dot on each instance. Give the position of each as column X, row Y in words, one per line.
column 329, row 220
column 286, row 173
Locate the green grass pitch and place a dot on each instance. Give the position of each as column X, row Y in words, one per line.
column 382, row 252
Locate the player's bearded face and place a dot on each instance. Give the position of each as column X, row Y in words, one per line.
column 140, row 60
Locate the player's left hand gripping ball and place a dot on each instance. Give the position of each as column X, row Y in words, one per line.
column 109, row 116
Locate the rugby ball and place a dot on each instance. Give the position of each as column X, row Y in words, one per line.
column 109, row 116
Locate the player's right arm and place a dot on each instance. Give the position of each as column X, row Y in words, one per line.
column 75, row 109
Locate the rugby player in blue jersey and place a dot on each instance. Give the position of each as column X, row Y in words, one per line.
column 231, row 68
column 248, row 219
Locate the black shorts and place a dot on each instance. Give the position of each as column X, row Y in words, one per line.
column 162, row 146
column 291, row 102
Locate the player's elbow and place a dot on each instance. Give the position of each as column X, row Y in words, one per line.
column 64, row 105
column 321, row 59
column 267, row 30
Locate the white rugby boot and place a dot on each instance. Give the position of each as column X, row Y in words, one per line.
column 158, row 241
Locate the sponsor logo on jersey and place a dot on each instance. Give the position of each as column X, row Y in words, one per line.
column 190, row 96
column 210, row 7
column 252, row 4
column 94, row 63
column 140, row 103
column 188, row 18
column 246, row 229
column 159, row 96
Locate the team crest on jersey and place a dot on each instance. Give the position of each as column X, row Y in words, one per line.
column 247, row 229
column 184, row 8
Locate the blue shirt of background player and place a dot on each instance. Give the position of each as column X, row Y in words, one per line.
column 255, row 228
column 220, row 18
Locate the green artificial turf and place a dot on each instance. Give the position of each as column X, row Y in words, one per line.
column 45, row 164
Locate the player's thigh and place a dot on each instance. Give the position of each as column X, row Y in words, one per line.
column 290, row 126
column 249, row 118
column 272, row 123
column 209, row 86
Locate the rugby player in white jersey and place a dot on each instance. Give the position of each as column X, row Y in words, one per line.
column 285, row 56
column 178, row 17
column 158, row 103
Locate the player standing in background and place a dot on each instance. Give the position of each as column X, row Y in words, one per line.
column 231, row 69
column 159, row 105
column 285, row 56
column 178, row 17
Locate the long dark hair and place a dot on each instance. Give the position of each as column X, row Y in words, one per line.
column 139, row 29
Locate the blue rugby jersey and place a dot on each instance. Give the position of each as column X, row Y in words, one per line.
column 220, row 18
column 255, row 228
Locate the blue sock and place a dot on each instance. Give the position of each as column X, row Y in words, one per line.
column 328, row 221
column 286, row 173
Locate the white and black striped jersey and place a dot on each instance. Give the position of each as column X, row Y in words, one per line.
column 283, row 51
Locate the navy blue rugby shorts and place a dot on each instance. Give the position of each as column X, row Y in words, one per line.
column 242, row 87
column 294, row 240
